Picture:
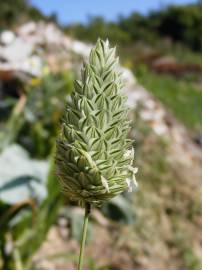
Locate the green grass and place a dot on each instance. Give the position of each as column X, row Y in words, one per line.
column 182, row 97
column 179, row 51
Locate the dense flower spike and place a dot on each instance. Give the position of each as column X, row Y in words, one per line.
column 94, row 157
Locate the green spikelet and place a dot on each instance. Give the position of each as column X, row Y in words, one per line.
column 94, row 157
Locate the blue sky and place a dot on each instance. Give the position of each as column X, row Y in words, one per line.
column 71, row 11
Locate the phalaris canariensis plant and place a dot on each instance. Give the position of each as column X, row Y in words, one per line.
column 94, row 158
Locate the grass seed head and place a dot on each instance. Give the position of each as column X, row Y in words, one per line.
column 93, row 155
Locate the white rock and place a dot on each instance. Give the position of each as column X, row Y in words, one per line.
column 18, row 50
column 128, row 76
column 7, row 37
column 150, row 104
column 27, row 29
column 81, row 48
column 160, row 128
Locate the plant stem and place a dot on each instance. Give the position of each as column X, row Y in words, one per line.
column 84, row 233
column 17, row 259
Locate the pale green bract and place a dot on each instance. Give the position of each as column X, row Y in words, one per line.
column 94, row 157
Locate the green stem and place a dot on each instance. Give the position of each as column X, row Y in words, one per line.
column 84, row 233
column 17, row 259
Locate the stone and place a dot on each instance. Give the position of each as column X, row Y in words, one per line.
column 7, row 37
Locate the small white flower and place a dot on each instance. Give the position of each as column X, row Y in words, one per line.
column 129, row 153
column 128, row 181
column 133, row 171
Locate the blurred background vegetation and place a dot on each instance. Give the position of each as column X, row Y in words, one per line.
column 158, row 227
